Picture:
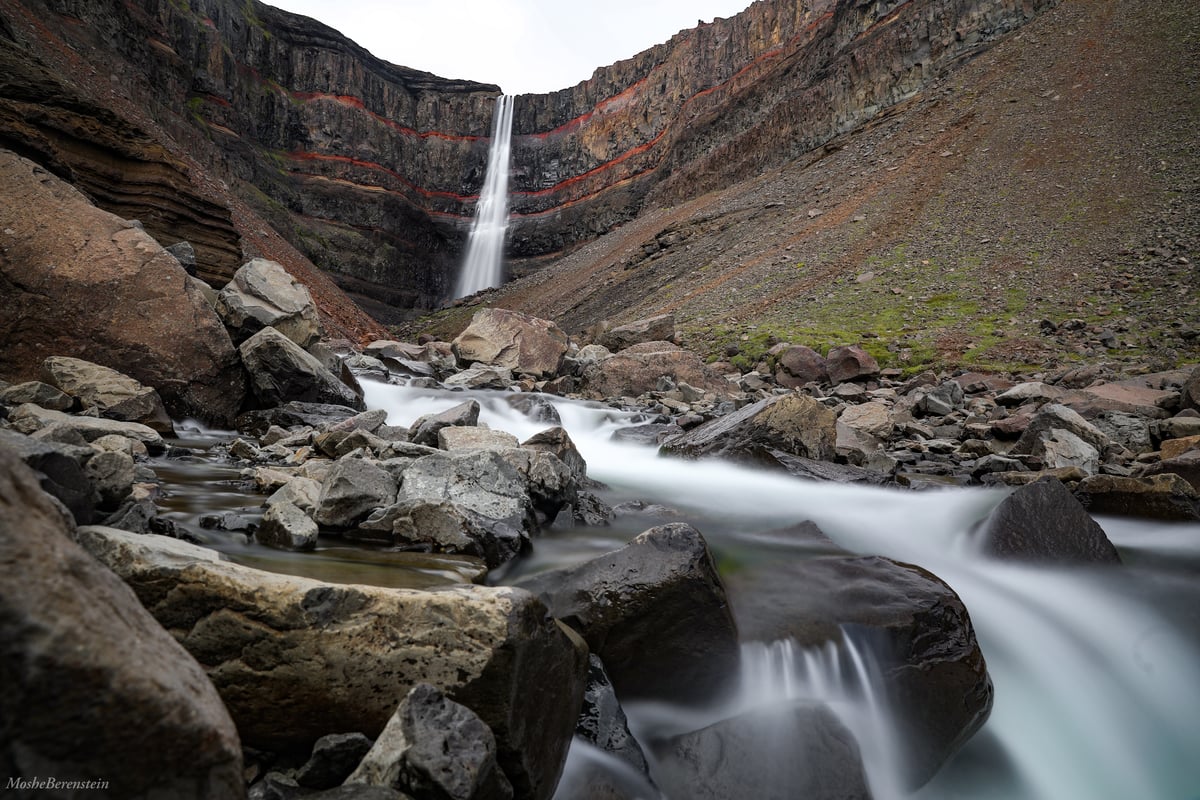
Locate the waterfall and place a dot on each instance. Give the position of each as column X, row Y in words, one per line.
column 482, row 268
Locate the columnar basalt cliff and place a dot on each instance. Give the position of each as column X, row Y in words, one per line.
column 371, row 169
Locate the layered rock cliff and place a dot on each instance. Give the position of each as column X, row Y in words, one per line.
column 162, row 110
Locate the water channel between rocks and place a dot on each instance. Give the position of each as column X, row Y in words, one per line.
column 1096, row 670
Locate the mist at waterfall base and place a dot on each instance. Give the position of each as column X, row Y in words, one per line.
column 1096, row 670
column 483, row 266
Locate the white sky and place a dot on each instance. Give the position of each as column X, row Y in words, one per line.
column 522, row 45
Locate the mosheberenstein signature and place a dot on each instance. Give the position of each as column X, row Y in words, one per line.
column 55, row 784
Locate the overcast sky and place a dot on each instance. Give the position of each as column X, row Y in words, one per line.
column 522, row 45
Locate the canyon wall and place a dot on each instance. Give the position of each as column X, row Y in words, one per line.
column 371, row 169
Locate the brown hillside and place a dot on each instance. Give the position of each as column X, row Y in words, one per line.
column 1055, row 176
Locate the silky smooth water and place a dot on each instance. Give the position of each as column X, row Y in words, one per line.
column 483, row 267
column 1096, row 669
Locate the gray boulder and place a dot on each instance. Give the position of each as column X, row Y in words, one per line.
column 660, row 328
column 424, row 430
column 262, row 294
column 92, row 686
column 443, row 527
column 517, row 342
column 38, row 393
column 57, row 426
column 792, row 423
column 113, row 394
column 59, row 469
column 334, row 758
column 281, row 371
column 484, row 483
column 433, row 747
column 655, row 613
column 353, row 489
column 1044, row 522
column 295, row 659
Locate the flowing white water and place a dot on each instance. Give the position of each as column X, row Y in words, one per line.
column 483, row 267
column 1097, row 670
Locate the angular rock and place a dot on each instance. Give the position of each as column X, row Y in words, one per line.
column 1186, row 466
column 293, row 414
column 850, row 363
column 1044, row 522
column 103, row 290
column 1062, row 438
column 874, row 473
column 93, row 688
column 794, row 750
column 1131, row 431
column 535, row 406
column 280, row 371
column 1133, row 397
column 942, row 399
column 655, row 613
column 32, row 419
column 480, row 378
column 334, row 758
column 1173, row 448
column 474, row 438
column 286, row 526
column 638, row 369
column 434, row 747
column 113, row 394
column 59, row 469
column 915, row 625
column 1189, row 394
column 557, row 442
column 651, row 329
column 1035, row 392
column 1166, row 496
column 792, row 423
column 797, row 365
column 444, row 527
column 185, row 254
column 481, row 482
column 602, row 721
column 515, row 341
column 873, row 419
column 295, row 659
column 262, row 294
column 38, row 393
column 352, row 490
column 1175, row 428
column 111, row 475
column 390, row 348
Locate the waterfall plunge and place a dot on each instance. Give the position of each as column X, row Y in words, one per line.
column 485, row 247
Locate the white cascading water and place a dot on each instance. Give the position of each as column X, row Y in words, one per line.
column 484, row 264
column 1095, row 669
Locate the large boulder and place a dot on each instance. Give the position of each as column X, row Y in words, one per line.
column 295, row 659
column 91, row 686
column 280, row 371
column 424, row 429
column 103, row 290
column 434, row 747
column 651, row 329
column 1186, row 465
column 796, row 365
column 1043, row 521
column 483, row 483
column 113, row 394
column 515, row 341
column 639, row 369
column 60, row 468
column 1166, row 496
column 795, row 749
column 850, row 363
column 792, row 423
column 654, row 611
column 262, row 294
column 57, row 426
column 912, row 623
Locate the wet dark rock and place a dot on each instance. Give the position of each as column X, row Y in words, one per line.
column 794, row 750
column 811, row 469
column 85, row 666
column 1044, row 522
column 535, row 406
column 333, row 758
column 293, row 414
column 649, row 433
column 433, row 747
column 1166, row 496
column 792, row 423
column 909, row 620
column 655, row 613
column 602, row 720
column 59, row 468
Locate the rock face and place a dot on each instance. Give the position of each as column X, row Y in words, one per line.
column 517, row 342
column 654, row 611
column 912, row 622
column 92, row 687
column 1044, row 522
column 263, row 294
column 370, row 168
column 102, row 290
column 794, row 424
column 296, row 659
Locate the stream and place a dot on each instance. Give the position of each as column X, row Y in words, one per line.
column 1096, row 669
